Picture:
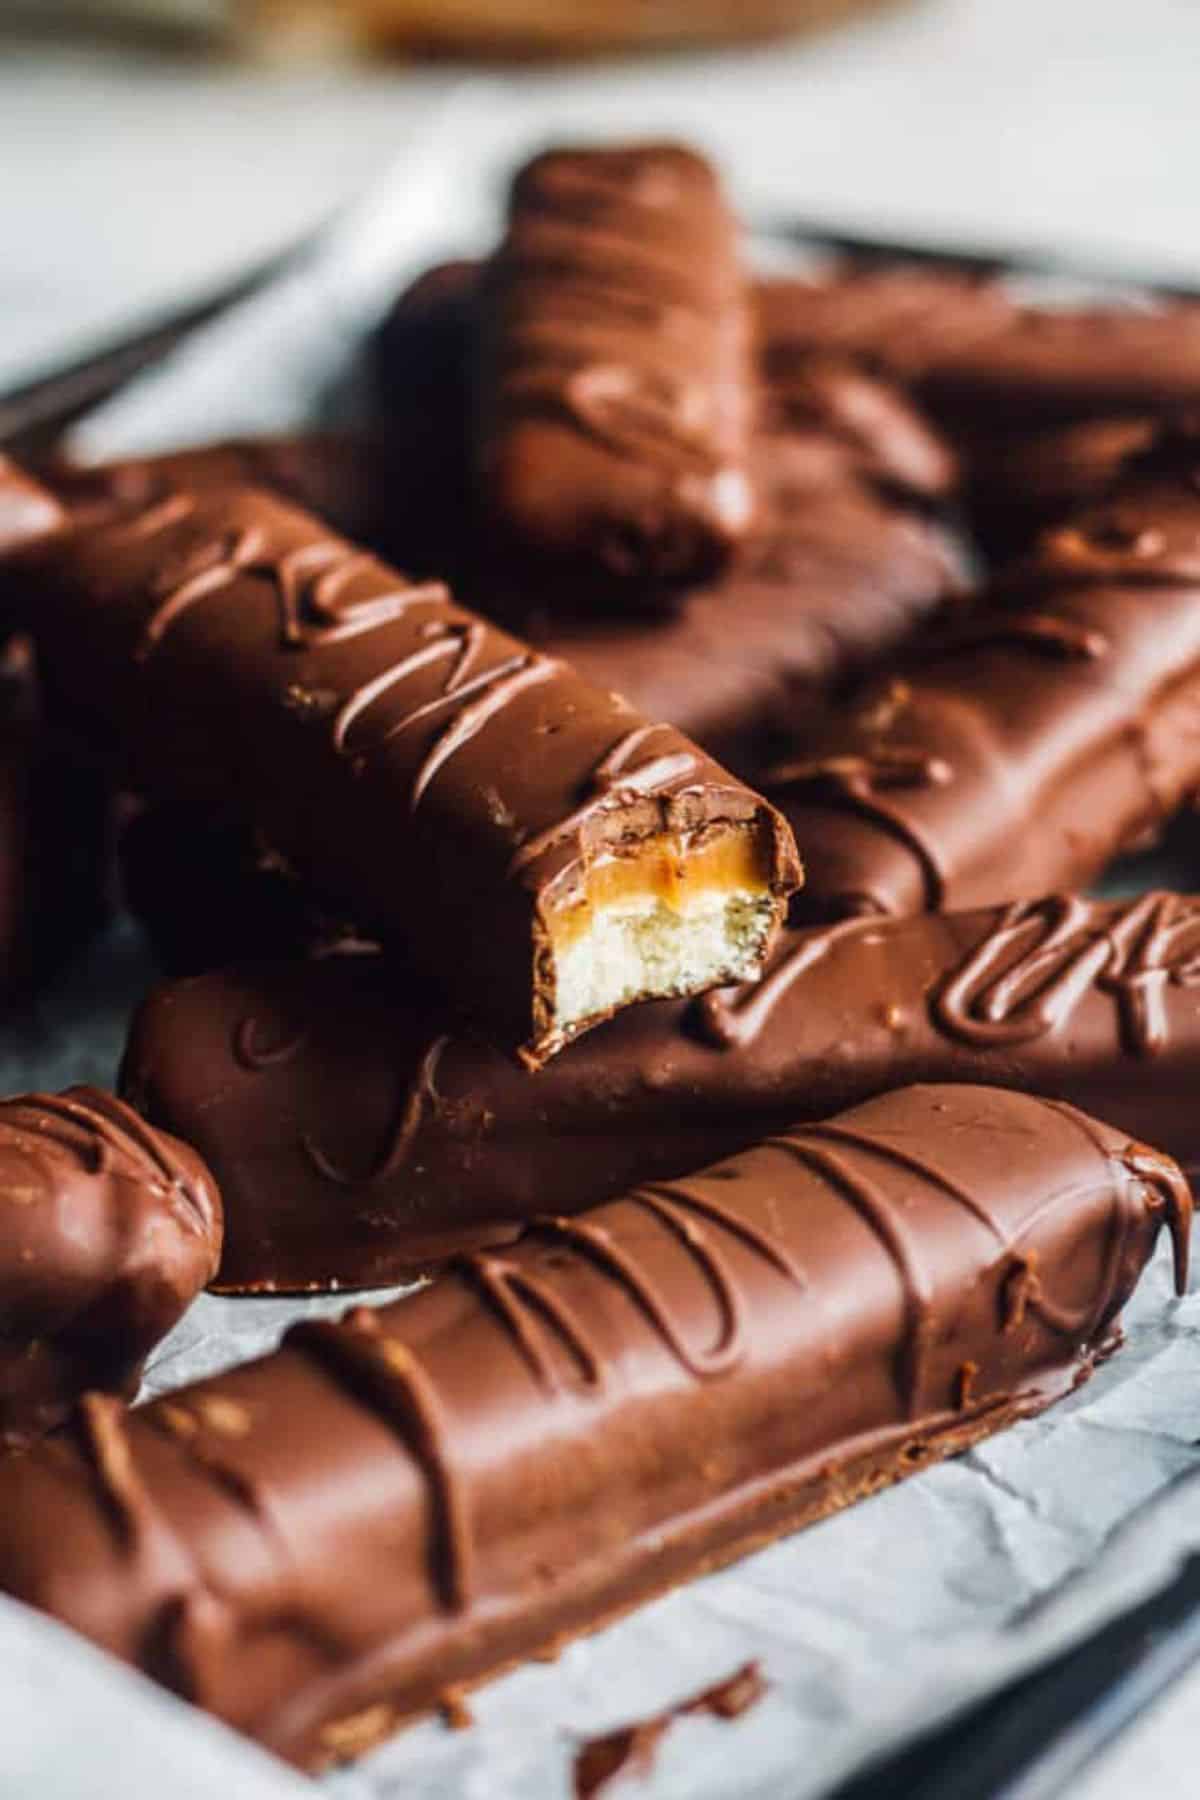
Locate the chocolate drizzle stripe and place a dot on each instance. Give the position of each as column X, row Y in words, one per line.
column 253, row 1055
column 859, row 783
column 382, row 1375
column 115, row 1129
column 515, row 1293
column 731, row 1018
column 1135, row 955
column 420, row 1094
column 227, row 561
column 531, row 671
column 610, row 780
column 684, row 1195
column 878, row 1213
column 459, row 643
column 832, row 1132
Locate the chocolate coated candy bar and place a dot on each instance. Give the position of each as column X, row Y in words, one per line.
column 318, row 1545
column 548, row 852
column 847, row 555
column 615, row 366
column 1058, row 727
column 357, row 1138
column 846, row 559
column 977, row 356
column 111, row 1230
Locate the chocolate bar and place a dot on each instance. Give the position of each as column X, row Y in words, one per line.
column 551, row 854
column 320, row 1545
column 851, row 549
column 615, row 385
column 358, row 1139
column 977, row 355
column 1056, row 728
column 111, row 1230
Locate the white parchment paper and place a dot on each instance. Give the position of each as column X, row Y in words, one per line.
column 868, row 1627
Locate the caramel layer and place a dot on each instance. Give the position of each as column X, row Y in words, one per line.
column 666, row 869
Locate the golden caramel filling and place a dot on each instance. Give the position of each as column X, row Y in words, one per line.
column 664, row 870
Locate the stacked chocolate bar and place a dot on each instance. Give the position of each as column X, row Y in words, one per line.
column 735, row 1116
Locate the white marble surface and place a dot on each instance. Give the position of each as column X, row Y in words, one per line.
column 127, row 183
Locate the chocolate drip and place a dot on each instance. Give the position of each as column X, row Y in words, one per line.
column 1169, row 1193
column 382, row 1374
column 420, row 1094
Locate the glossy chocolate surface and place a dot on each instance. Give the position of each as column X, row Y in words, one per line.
column 979, row 357
column 1058, row 726
column 615, row 372
column 342, row 478
column 357, row 1137
column 848, row 554
column 319, row 1545
column 412, row 760
column 111, row 1228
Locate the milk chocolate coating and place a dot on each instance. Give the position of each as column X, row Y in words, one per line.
column 429, row 769
column 344, row 479
column 615, row 375
column 978, row 357
column 1021, row 482
column 358, row 1138
column 318, row 1545
column 111, row 1230
column 1056, row 728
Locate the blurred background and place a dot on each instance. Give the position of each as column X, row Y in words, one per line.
column 151, row 150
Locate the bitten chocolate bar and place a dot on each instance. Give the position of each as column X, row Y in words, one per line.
column 319, row 1545
column 978, row 356
column 110, row 1230
column 615, row 366
column 358, row 1139
column 548, row 853
column 1058, row 726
